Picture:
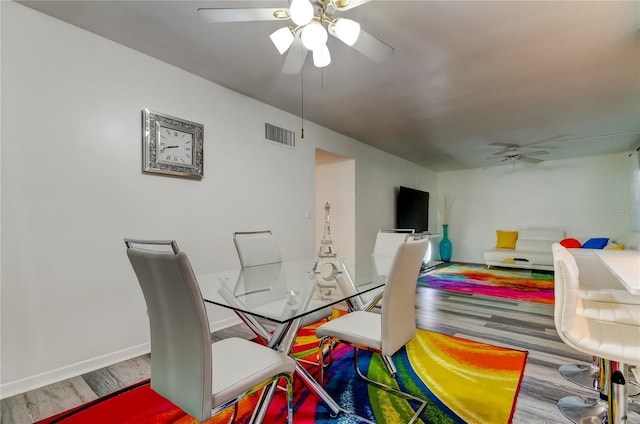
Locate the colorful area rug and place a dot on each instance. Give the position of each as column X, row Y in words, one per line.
column 464, row 382
column 527, row 285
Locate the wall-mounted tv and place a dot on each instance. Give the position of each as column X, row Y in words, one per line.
column 412, row 209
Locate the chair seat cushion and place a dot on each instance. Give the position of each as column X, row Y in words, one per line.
column 359, row 327
column 240, row 365
column 610, row 340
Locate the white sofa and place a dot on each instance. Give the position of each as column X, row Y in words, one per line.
column 532, row 251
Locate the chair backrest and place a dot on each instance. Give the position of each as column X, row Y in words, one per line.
column 387, row 241
column 256, row 248
column 181, row 365
column 566, row 284
column 399, row 296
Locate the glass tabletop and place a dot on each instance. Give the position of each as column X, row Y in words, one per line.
column 284, row 291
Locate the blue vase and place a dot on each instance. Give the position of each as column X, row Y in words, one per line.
column 446, row 249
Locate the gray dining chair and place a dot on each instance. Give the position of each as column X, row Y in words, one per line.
column 395, row 325
column 200, row 377
column 258, row 248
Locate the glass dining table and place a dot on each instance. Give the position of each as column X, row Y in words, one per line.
column 286, row 294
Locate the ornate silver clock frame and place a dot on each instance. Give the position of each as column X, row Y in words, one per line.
column 172, row 146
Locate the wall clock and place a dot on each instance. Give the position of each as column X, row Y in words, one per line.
column 171, row 146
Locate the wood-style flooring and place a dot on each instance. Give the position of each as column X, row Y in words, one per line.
column 517, row 325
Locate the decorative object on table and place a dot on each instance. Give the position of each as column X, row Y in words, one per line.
column 172, row 146
column 476, row 279
column 327, row 266
column 446, row 247
column 479, row 369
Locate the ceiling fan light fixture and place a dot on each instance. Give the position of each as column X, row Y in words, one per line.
column 314, row 36
column 321, row 56
column 301, row 12
column 282, row 39
column 345, row 30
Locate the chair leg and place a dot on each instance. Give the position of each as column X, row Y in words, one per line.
column 612, row 405
column 590, row 376
column 583, row 375
column 391, row 367
column 322, row 351
column 404, row 395
column 289, row 399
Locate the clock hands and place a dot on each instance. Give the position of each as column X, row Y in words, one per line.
column 168, row 147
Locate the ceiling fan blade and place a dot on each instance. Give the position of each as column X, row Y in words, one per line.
column 243, row 15
column 295, row 58
column 503, row 144
column 530, row 160
column 347, row 4
column 374, row 49
column 537, row 153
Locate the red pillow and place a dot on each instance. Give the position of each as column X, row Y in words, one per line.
column 570, row 243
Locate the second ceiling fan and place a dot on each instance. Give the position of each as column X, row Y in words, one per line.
column 308, row 27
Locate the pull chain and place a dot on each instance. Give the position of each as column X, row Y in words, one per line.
column 302, row 102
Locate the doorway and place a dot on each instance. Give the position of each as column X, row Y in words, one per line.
column 336, row 183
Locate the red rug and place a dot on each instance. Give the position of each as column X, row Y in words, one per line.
column 464, row 382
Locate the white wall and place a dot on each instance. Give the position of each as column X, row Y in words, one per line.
column 588, row 197
column 72, row 189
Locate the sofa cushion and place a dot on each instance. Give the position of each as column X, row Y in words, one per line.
column 534, row 257
column 595, row 243
column 614, row 246
column 541, row 234
column 534, row 245
column 570, row 243
column 506, row 239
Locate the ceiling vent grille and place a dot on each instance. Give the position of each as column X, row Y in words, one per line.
column 279, row 135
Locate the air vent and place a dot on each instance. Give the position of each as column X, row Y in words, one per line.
column 279, row 135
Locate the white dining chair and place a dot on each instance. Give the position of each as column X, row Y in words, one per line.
column 200, row 377
column 388, row 241
column 395, row 325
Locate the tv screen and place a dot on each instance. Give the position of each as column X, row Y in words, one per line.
column 412, row 209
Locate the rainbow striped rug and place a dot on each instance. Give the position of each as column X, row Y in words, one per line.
column 463, row 381
column 526, row 285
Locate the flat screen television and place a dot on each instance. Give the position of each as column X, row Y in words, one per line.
column 412, row 209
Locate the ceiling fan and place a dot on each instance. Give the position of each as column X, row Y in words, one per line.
column 305, row 30
column 515, row 152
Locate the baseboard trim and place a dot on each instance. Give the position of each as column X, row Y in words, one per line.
column 37, row 381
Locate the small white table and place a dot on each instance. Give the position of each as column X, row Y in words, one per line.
column 625, row 265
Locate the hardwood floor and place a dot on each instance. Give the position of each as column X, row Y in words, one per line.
column 517, row 325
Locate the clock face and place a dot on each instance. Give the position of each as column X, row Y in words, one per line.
column 174, row 147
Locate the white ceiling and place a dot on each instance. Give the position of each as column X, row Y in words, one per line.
column 463, row 75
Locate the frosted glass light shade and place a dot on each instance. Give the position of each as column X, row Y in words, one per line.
column 282, row 39
column 321, row 56
column 346, row 30
column 301, row 12
column 314, row 36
